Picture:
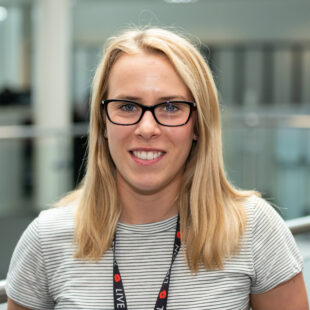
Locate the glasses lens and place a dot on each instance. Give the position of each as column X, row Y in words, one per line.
column 123, row 112
column 172, row 113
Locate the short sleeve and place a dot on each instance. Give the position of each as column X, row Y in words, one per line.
column 27, row 282
column 276, row 258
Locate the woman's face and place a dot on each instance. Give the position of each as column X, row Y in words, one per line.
column 149, row 79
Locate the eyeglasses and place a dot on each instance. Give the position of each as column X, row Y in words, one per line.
column 170, row 113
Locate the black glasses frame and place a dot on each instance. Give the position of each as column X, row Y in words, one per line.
column 150, row 108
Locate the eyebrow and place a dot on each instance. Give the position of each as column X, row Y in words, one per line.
column 162, row 99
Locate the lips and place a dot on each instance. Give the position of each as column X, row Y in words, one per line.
column 147, row 155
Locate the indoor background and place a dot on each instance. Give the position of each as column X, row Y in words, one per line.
column 258, row 50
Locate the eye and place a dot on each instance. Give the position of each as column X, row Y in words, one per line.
column 170, row 107
column 128, row 107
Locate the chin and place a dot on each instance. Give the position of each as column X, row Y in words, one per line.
column 146, row 189
column 148, row 185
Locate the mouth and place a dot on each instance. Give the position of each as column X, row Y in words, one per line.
column 147, row 155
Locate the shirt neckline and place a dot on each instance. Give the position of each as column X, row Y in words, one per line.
column 149, row 228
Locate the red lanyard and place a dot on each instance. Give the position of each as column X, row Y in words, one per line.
column 118, row 288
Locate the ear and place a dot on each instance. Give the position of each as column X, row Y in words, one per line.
column 105, row 133
column 195, row 137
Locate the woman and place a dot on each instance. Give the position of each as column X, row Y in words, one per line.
column 155, row 178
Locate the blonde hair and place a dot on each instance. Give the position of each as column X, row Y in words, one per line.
column 212, row 216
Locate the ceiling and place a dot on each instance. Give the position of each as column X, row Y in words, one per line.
column 210, row 20
column 20, row 2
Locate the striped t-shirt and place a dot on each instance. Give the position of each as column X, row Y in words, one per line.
column 43, row 273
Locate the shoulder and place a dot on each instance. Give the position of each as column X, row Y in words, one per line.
column 261, row 216
column 47, row 238
column 57, row 220
column 50, row 227
column 53, row 228
column 257, row 206
column 275, row 256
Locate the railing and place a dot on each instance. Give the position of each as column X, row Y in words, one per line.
column 24, row 132
column 297, row 226
column 3, row 297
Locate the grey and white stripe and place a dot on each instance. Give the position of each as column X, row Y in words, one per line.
column 44, row 275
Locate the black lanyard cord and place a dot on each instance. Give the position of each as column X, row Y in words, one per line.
column 118, row 288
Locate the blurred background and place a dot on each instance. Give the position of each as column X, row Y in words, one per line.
column 259, row 52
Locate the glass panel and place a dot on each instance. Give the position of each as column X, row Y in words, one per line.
column 271, row 156
column 35, row 173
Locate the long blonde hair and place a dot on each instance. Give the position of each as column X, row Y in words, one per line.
column 212, row 216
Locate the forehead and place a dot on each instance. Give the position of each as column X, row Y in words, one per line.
column 145, row 72
column 144, row 60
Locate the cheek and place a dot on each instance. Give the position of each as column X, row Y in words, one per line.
column 112, row 138
column 112, row 132
column 116, row 137
column 182, row 139
column 182, row 135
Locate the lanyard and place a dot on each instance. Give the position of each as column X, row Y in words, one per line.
column 118, row 288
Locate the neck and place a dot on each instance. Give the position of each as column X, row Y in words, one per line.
column 142, row 208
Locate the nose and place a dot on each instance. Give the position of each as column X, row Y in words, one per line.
column 147, row 127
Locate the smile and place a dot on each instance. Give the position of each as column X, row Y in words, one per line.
column 147, row 155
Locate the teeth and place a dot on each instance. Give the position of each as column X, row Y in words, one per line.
column 147, row 155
